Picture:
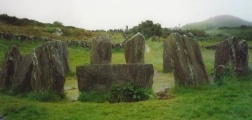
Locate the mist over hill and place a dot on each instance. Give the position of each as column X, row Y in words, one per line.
column 216, row 22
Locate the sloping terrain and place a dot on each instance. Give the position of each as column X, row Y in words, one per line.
column 216, row 22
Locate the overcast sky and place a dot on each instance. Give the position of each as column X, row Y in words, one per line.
column 110, row 14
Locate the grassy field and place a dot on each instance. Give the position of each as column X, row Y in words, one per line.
column 230, row 101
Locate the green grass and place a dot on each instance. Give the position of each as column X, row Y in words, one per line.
column 93, row 96
column 155, row 55
column 44, row 96
column 232, row 101
column 78, row 56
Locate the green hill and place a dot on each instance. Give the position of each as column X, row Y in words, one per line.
column 24, row 26
column 216, row 22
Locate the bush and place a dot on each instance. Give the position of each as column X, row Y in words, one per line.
column 93, row 96
column 122, row 93
column 129, row 93
column 49, row 29
column 44, row 96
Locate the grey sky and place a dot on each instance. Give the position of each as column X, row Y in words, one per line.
column 110, row 14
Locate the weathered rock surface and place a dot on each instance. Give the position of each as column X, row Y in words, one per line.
column 50, row 64
column 134, row 49
column 234, row 53
column 167, row 61
column 102, row 77
column 17, row 71
column 2, row 117
column 11, row 61
column 101, row 50
column 58, row 32
column 189, row 69
column 0, row 78
column 22, row 76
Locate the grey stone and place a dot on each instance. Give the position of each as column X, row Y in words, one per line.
column 50, row 64
column 101, row 52
column 1, row 116
column 11, row 61
column 167, row 60
column 0, row 75
column 22, row 76
column 189, row 69
column 232, row 52
column 134, row 49
column 58, row 32
column 102, row 77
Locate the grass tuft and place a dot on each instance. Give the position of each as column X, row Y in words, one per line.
column 93, row 96
column 45, row 96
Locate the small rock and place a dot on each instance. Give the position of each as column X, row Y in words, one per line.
column 163, row 94
column 58, row 32
column 2, row 117
column 69, row 88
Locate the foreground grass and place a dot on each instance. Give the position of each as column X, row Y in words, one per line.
column 231, row 101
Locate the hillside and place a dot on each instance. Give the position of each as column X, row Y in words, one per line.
column 216, row 22
column 56, row 30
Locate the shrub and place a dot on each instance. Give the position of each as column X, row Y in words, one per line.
column 93, row 96
column 122, row 93
column 49, row 29
column 129, row 93
column 57, row 24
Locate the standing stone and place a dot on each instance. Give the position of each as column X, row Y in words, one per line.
column 11, row 61
column 134, row 49
column 22, row 76
column 234, row 53
column 0, row 80
column 63, row 54
column 189, row 69
column 50, row 64
column 101, row 50
column 167, row 61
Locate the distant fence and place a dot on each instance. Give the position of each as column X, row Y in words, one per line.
column 84, row 44
column 213, row 47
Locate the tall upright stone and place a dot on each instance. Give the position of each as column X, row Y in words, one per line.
column 232, row 52
column 0, row 77
column 134, row 49
column 101, row 52
column 167, row 61
column 16, row 73
column 22, row 75
column 189, row 69
column 11, row 61
column 50, row 64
